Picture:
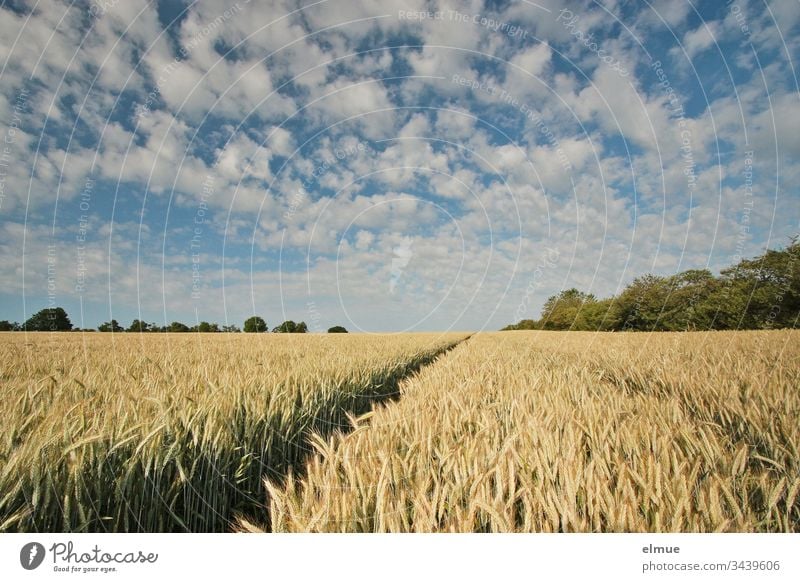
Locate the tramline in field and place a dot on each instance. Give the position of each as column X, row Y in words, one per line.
column 175, row 432
column 574, row 432
column 512, row 431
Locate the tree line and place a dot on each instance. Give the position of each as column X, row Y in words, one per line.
column 56, row 319
column 758, row 293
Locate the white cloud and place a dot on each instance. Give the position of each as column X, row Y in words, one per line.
column 698, row 40
column 533, row 60
column 558, row 179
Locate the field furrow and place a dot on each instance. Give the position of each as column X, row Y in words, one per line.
column 175, row 432
column 570, row 432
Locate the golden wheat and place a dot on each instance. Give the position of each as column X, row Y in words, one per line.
column 573, row 432
column 166, row 432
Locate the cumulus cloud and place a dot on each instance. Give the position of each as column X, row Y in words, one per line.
column 400, row 164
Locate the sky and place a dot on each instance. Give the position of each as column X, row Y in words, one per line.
column 385, row 165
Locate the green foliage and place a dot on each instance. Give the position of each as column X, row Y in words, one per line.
column 49, row 319
column 599, row 315
column 255, row 324
column 6, row 325
column 639, row 306
column 764, row 292
column 759, row 293
column 290, row 326
column 285, row 327
column 112, row 325
column 139, row 325
column 205, row 327
column 524, row 324
column 177, row 327
column 337, row 329
column 566, row 310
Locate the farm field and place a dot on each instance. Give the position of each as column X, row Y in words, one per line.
column 509, row 431
column 175, row 432
column 572, row 432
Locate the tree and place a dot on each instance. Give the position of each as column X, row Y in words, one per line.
column 759, row 293
column 763, row 292
column 205, row 327
column 9, row 326
column 255, row 324
column 286, row 327
column 687, row 306
column 49, row 319
column 599, row 315
column 563, row 311
column 523, row 324
column 232, row 328
column 178, row 327
column 337, row 329
column 112, row 326
column 139, row 325
column 290, row 326
column 641, row 304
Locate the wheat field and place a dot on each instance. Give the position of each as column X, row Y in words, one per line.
column 499, row 432
column 175, row 432
column 569, row 432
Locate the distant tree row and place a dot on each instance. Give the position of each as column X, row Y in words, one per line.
column 56, row 319
column 175, row 327
column 759, row 293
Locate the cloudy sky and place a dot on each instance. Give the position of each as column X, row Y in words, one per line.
column 385, row 165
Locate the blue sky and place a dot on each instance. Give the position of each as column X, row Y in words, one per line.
column 385, row 165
